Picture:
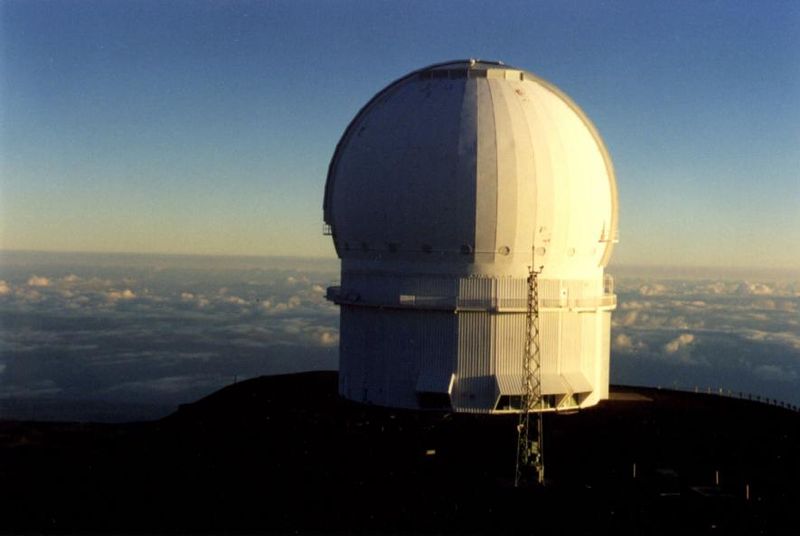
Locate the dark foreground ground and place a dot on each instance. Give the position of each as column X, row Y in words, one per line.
column 283, row 454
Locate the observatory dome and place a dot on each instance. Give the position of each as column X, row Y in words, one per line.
column 444, row 190
column 469, row 165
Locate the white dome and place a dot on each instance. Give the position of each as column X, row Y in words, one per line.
column 466, row 167
column 440, row 192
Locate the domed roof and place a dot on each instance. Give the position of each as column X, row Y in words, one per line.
column 477, row 164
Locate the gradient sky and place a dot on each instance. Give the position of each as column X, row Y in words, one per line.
column 207, row 127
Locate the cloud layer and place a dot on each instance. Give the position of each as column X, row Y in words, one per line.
column 738, row 335
column 159, row 333
column 168, row 331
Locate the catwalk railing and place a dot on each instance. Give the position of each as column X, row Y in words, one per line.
column 740, row 395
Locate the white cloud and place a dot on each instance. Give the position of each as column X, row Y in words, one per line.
column 717, row 287
column 753, row 289
column 36, row 281
column 781, row 337
column 71, row 278
column 634, row 305
column 679, row 343
column 628, row 319
column 626, row 343
column 678, row 322
column 329, row 338
column 115, row 295
column 236, row 300
column 653, row 289
column 4, row 288
column 292, row 280
column 28, row 295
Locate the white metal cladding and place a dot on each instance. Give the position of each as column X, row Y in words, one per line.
column 385, row 353
column 443, row 190
column 403, row 337
column 470, row 171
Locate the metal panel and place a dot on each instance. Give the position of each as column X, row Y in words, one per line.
column 577, row 382
column 550, row 340
column 436, row 349
column 603, row 357
column 517, row 196
column 476, row 292
column 486, row 215
column 553, row 384
column 590, row 347
column 510, row 384
column 509, row 343
column 570, row 353
column 549, row 289
column 474, row 387
column 512, row 292
column 352, row 347
column 435, row 382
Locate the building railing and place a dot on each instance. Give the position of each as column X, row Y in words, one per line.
column 336, row 295
column 741, row 395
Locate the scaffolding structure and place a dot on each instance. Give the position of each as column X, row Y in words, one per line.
column 530, row 454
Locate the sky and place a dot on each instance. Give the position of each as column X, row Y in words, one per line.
column 207, row 127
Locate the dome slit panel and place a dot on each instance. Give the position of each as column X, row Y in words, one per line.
column 542, row 100
column 467, row 166
column 354, row 129
column 526, row 210
column 486, row 193
column 367, row 165
column 610, row 177
column 508, row 177
column 401, row 205
column 429, row 166
column 545, row 170
column 583, row 176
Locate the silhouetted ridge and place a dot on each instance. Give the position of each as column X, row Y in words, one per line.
column 266, row 393
column 284, row 453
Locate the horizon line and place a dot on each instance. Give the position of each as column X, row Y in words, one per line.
column 612, row 266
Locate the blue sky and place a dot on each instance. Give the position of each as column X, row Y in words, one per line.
column 207, row 127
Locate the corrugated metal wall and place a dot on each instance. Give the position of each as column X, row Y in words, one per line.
column 509, row 343
column 384, row 351
column 550, row 341
column 474, row 388
column 475, row 332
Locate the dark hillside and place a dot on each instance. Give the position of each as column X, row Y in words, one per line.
column 284, row 453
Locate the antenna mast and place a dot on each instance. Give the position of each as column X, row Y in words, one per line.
column 530, row 458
